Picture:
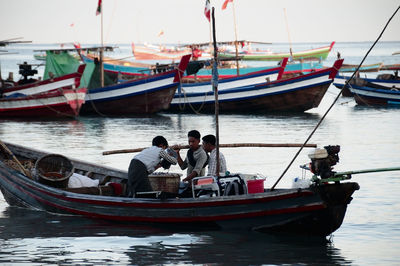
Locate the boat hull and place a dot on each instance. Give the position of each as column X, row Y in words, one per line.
column 318, row 210
column 58, row 103
column 313, row 54
column 142, row 96
column 297, row 94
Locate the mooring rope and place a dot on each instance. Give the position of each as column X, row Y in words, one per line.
column 335, row 100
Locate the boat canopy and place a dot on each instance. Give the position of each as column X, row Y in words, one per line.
column 62, row 63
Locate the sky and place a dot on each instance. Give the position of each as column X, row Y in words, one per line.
column 183, row 21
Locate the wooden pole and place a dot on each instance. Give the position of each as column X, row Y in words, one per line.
column 236, row 38
column 215, row 89
column 287, row 29
column 102, row 48
column 231, row 145
column 20, row 166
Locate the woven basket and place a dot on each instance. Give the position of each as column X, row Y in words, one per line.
column 54, row 170
column 168, row 182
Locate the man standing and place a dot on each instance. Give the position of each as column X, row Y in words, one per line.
column 196, row 158
column 209, row 146
column 145, row 163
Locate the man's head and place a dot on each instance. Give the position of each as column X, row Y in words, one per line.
column 160, row 141
column 194, row 139
column 209, row 142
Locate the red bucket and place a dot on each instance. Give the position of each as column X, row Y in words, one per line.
column 255, row 186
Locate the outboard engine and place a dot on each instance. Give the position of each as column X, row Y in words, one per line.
column 26, row 70
column 322, row 160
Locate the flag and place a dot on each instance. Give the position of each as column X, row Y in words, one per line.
column 225, row 4
column 160, row 33
column 207, row 10
column 98, row 10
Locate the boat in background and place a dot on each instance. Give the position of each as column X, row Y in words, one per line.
column 320, row 54
column 55, row 103
column 53, row 97
column 376, row 91
column 146, row 95
column 117, row 66
column 152, row 52
column 364, row 68
column 384, row 82
column 296, row 94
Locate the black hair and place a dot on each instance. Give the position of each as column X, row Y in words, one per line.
column 194, row 133
column 159, row 140
column 209, row 139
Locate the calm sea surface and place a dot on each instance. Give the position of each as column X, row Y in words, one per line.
column 369, row 138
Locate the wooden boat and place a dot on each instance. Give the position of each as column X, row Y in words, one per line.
column 131, row 70
column 364, row 68
column 316, row 210
column 146, row 95
column 151, row 52
column 55, row 97
column 298, row 94
column 34, row 86
column 124, row 67
column 383, row 81
column 54, row 103
column 320, row 53
column 391, row 67
column 371, row 92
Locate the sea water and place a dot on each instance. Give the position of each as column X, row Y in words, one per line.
column 368, row 136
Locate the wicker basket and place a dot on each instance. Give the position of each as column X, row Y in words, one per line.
column 167, row 182
column 54, row 170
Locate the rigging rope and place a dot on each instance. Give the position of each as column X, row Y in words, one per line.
column 335, row 100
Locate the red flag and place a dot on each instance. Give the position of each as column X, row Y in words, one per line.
column 224, row 5
column 98, row 10
column 207, row 10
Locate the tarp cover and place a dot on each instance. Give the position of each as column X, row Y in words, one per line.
column 61, row 63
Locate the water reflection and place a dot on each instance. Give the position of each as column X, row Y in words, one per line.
column 43, row 238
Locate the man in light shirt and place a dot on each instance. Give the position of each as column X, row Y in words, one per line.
column 145, row 163
column 209, row 146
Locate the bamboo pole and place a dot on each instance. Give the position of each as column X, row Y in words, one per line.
column 231, row 145
column 20, row 166
column 215, row 89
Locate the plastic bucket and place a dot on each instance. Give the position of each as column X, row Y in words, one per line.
column 255, row 186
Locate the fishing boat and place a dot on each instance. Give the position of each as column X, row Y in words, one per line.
column 364, row 68
column 367, row 92
column 152, row 52
column 118, row 66
column 385, row 82
column 320, row 53
column 54, row 97
column 54, row 103
column 238, row 94
column 146, row 95
column 315, row 210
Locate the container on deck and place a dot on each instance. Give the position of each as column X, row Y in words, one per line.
column 255, row 185
column 166, row 182
column 54, row 170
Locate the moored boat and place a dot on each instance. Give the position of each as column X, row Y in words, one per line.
column 299, row 93
column 54, row 97
column 386, row 82
column 55, row 103
column 320, row 53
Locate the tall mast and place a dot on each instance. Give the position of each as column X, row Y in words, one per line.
column 236, row 38
column 287, row 29
column 101, row 48
column 215, row 89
